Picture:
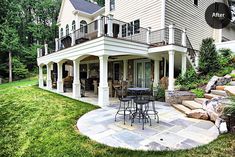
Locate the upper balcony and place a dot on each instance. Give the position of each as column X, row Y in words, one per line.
column 116, row 29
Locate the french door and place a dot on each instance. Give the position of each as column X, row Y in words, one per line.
column 143, row 73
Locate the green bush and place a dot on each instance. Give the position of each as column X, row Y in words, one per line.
column 209, row 60
column 159, row 93
column 188, row 80
column 230, row 108
column 20, row 70
column 225, row 52
column 199, row 92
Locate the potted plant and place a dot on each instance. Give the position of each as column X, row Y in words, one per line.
column 229, row 112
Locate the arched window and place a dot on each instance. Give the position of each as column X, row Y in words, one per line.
column 67, row 29
column 73, row 25
column 61, row 32
column 83, row 26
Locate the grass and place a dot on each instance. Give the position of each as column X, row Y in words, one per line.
column 34, row 122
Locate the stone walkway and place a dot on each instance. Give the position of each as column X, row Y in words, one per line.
column 175, row 131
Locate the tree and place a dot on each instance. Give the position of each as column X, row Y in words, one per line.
column 10, row 43
column 209, row 61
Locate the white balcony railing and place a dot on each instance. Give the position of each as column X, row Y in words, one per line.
column 109, row 27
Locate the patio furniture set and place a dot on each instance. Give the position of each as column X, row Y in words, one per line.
column 136, row 103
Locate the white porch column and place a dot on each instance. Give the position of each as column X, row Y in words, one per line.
column 171, row 70
column 88, row 70
column 110, row 25
column 40, row 76
column 100, row 26
column 171, row 34
column 76, row 80
column 103, row 95
column 164, row 67
column 46, row 49
column 184, row 38
column 125, row 68
column 197, row 59
column 60, row 85
column 184, row 64
column 73, row 38
column 38, row 52
column 49, row 82
column 56, row 44
column 148, row 35
column 156, row 73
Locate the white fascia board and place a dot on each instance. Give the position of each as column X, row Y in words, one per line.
column 167, row 48
column 97, row 47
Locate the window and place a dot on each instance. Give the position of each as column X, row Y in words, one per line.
column 61, row 32
column 137, row 26
column 130, row 28
column 196, row 2
column 96, row 24
column 124, row 30
column 112, row 5
column 83, row 26
column 67, row 30
column 73, row 25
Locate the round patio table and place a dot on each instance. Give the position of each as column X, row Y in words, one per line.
column 140, row 105
column 137, row 91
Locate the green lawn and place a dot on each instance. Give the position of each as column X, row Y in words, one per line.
column 34, row 122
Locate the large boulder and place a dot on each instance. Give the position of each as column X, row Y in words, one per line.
column 211, row 84
column 214, row 108
column 223, row 80
column 198, row 114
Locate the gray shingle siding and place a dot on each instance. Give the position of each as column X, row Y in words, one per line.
column 85, row 6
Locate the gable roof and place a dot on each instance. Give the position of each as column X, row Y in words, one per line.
column 85, row 6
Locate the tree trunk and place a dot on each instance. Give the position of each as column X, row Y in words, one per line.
column 10, row 66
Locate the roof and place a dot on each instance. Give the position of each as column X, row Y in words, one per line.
column 85, row 6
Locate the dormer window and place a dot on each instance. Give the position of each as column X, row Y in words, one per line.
column 73, row 25
column 67, row 30
column 83, row 26
column 61, row 32
column 112, row 5
column 196, row 2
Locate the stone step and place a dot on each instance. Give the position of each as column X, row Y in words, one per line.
column 211, row 96
column 220, row 87
column 191, row 104
column 219, row 92
column 232, row 83
column 230, row 90
column 200, row 100
column 182, row 108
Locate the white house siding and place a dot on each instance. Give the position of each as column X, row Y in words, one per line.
column 229, row 32
column 67, row 16
column 148, row 11
column 184, row 14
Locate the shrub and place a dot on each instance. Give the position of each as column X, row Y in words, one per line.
column 159, row 93
column 199, row 92
column 187, row 79
column 209, row 61
column 230, row 108
column 225, row 52
column 232, row 75
column 19, row 69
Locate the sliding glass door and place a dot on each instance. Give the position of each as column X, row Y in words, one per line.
column 143, row 73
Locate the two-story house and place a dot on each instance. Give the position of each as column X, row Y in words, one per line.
column 135, row 41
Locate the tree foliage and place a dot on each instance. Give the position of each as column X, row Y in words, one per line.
column 25, row 25
column 209, row 61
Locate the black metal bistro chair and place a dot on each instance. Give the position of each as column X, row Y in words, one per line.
column 151, row 105
column 124, row 105
column 141, row 110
